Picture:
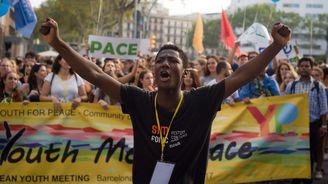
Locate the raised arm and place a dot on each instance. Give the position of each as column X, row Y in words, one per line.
column 127, row 78
column 251, row 69
column 86, row 69
column 232, row 52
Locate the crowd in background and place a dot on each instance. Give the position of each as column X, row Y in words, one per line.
column 36, row 79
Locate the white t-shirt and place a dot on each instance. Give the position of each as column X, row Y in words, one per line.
column 65, row 90
column 232, row 98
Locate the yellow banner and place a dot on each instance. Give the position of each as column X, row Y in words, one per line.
column 265, row 140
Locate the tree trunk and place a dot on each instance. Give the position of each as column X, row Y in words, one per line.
column 120, row 24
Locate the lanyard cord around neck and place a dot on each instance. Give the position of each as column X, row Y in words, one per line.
column 304, row 88
column 5, row 98
column 163, row 140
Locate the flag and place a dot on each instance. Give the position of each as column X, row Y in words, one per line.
column 227, row 36
column 197, row 41
column 25, row 18
column 4, row 7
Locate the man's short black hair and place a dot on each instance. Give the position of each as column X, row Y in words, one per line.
column 182, row 55
column 108, row 59
column 220, row 66
column 304, row 59
column 30, row 54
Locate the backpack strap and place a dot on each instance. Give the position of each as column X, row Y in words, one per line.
column 292, row 89
column 75, row 76
column 51, row 80
column 316, row 87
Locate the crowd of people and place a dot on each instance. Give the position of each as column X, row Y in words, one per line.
column 36, row 79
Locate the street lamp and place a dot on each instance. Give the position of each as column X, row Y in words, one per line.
column 135, row 19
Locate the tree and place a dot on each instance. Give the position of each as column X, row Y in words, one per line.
column 242, row 19
column 122, row 7
column 78, row 19
column 322, row 24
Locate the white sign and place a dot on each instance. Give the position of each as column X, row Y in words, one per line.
column 289, row 51
column 255, row 38
column 123, row 48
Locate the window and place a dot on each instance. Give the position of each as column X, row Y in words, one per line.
column 314, row 5
column 311, row 15
column 291, row 5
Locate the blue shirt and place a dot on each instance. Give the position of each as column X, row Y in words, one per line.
column 255, row 89
column 317, row 102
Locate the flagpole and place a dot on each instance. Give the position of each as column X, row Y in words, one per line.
column 257, row 11
column 244, row 21
column 311, row 36
column 270, row 17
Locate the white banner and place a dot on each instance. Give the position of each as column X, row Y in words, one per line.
column 289, row 51
column 255, row 38
column 123, row 48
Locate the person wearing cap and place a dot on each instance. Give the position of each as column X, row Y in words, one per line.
column 242, row 58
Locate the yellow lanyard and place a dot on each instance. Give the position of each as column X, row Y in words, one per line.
column 5, row 98
column 159, row 125
column 307, row 90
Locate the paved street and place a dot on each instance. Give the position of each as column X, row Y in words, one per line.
column 325, row 180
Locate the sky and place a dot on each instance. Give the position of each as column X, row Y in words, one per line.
column 36, row 3
column 181, row 7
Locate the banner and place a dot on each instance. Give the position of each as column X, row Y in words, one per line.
column 265, row 140
column 255, row 38
column 290, row 51
column 123, row 48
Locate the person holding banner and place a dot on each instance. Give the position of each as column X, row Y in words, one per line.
column 317, row 110
column 171, row 128
column 63, row 85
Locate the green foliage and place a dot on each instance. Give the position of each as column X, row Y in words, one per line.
column 78, row 19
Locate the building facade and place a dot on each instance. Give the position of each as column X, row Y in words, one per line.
column 11, row 44
column 304, row 8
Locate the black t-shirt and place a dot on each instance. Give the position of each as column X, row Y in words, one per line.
column 188, row 139
column 234, row 66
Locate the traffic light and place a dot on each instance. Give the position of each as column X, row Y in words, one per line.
column 152, row 41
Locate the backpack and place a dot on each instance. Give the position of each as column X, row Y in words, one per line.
column 316, row 86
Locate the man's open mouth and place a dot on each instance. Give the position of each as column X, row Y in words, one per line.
column 164, row 76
